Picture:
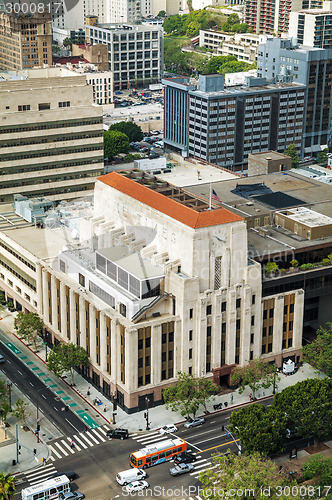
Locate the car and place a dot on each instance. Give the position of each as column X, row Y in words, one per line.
column 71, row 495
column 193, row 422
column 154, row 132
column 145, row 150
column 70, row 474
column 147, row 139
column 185, row 458
column 136, row 486
column 167, row 429
column 118, row 92
column 2, row 359
column 181, row 469
column 117, row 433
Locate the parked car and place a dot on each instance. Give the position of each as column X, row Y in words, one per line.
column 71, row 495
column 193, row 422
column 181, row 469
column 145, row 149
column 185, row 458
column 137, row 486
column 167, row 429
column 117, row 433
column 2, row 359
column 147, row 139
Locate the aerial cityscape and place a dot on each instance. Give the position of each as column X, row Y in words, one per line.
column 166, row 249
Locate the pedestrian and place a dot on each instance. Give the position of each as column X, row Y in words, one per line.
column 72, row 444
column 85, row 428
column 232, row 398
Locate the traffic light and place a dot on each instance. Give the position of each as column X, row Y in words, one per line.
column 35, row 451
column 19, row 447
column 145, row 414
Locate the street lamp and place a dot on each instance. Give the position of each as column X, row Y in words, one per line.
column 113, row 398
column 37, row 419
column 9, row 387
column 228, row 433
column 146, row 414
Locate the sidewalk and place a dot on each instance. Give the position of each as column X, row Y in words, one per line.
column 80, row 402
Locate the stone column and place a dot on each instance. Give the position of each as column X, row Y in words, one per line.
column 39, row 282
column 46, row 307
column 131, row 356
column 156, row 354
column 115, row 351
column 82, row 321
column 93, row 350
column 63, row 310
column 278, row 320
column 245, row 327
column 103, row 342
column 199, row 348
column 230, row 328
column 298, row 319
column 72, row 316
column 54, row 303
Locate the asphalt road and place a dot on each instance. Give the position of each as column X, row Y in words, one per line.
column 34, row 389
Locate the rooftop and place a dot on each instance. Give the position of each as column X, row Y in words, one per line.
column 308, row 217
column 173, row 201
column 125, row 27
column 131, row 262
column 267, row 155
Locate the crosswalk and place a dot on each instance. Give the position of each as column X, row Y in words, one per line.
column 40, row 474
column 66, row 446
column 200, row 464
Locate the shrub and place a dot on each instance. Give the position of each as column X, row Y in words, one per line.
column 294, row 263
column 326, row 262
column 271, row 267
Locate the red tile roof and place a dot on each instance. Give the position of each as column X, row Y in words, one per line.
column 169, row 206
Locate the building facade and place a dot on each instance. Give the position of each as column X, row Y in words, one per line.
column 312, row 28
column 51, row 137
column 25, row 41
column 285, row 61
column 241, row 45
column 135, row 52
column 223, row 125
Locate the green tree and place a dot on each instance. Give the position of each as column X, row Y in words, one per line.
column 192, row 29
column 260, row 429
column 161, row 13
column 322, row 156
column 7, row 486
column 21, row 411
column 66, row 357
column 233, row 19
column 205, row 390
column 132, row 131
column 67, row 43
column 248, row 474
column 256, row 374
column 114, row 143
column 319, row 353
column 318, row 469
column 239, row 28
column 29, row 326
column 307, row 405
column 4, row 400
column 271, row 267
column 183, row 395
column 294, row 263
column 292, row 152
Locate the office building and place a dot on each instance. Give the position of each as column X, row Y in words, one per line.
column 96, row 54
column 241, row 45
column 285, row 61
column 222, row 125
column 135, row 52
column 265, row 16
column 25, row 40
column 51, row 135
column 312, row 27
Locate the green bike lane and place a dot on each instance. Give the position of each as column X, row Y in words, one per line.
column 49, row 382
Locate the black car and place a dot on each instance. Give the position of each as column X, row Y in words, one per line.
column 117, row 434
column 70, row 474
column 185, row 458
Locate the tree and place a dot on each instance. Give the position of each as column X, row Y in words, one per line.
column 192, row 29
column 322, row 156
column 21, row 411
column 161, row 13
column 7, row 486
column 247, row 475
column 319, row 352
column 257, row 374
column 260, row 429
column 66, row 357
column 239, row 28
column 294, row 263
column 67, row 43
column 183, row 395
column 292, row 152
column 29, row 326
column 115, row 143
column 4, row 400
column 205, row 390
column 319, row 470
column 132, row 131
column 271, row 267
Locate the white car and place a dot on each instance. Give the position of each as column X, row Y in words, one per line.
column 136, row 486
column 168, row 429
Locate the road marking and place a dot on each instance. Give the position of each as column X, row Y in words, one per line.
column 145, row 436
column 102, row 430
column 219, row 445
column 37, row 471
column 42, row 477
column 190, row 444
column 202, row 465
column 132, row 435
column 92, row 437
column 81, row 443
column 200, row 461
column 203, row 433
column 30, row 383
column 72, row 451
column 83, row 436
column 51, row 458
column 211, row 439
column 43, row 396
column 71, row 425
column 99, row 436
column 54, row 451
column 55, row 408
column 20, row 372
column 152, row 440
column 62, row 450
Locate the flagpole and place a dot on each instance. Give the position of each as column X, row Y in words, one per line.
column 210, row 201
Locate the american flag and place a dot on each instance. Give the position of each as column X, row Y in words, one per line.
column 215, row 196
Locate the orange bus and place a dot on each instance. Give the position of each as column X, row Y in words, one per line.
column 157, row 453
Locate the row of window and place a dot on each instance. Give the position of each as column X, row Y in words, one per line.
column 17, row 255
column 50, row 152
column 50, row 125
column 50, row 166
column 50, row 138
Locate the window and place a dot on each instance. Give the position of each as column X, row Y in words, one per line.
column 163, row 357
column 208, row 367
column 81, row 279
column 62, row 266
column 238, row 303
column 269, row 348
column 271, row 313
column 190, row 335
column 208, row 331
column 238, row 324
column 264, row 331
column 285, row 309
column 291, row 308
column 190, row 370
column 290, row 342
column 290, row 326
column 140, row 362
column 190, row 354
column 148, row 342
column 252, row 320
column 223, row 327
column 191, row 313
column 252, row 338
column 251, row 355
column 223, row 306
column 253, row 299
column 24, row 107
column 123, row 310
column 271, row 330
column 163, row 338
column 265, row 314
column 170, row 355
column 263, row 349
column 44, row 105
column 284, row 327
column 208, row 310
column 64, row 104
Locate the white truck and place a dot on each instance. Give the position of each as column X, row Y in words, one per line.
column 288, row 368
